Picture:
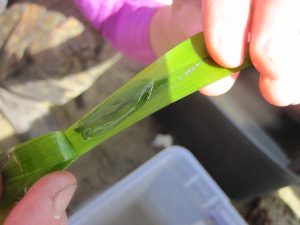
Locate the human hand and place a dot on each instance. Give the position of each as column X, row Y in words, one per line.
column 274, row 40
column 45, row 202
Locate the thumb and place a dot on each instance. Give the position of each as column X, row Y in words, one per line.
column 45, row 202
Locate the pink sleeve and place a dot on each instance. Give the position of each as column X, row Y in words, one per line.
column 125, row 23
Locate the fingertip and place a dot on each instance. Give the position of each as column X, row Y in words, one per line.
column 46, row 201
column 265, row 62
column 226, row 27
column 52, row 183
column 275, row 92
column 274, row 45
column 219, row 87
column 228, row 50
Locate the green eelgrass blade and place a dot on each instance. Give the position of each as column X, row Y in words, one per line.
column 180, row 72
column 31, row 160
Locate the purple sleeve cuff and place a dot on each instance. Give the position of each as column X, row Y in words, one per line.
column 125, row 23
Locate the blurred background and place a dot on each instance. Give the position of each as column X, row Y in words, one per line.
column 54, row 68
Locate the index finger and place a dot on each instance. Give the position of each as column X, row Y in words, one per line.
column 226, row 26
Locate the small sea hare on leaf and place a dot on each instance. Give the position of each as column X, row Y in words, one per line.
column 116, row 109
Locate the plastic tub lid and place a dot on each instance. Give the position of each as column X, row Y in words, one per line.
column 170, row 189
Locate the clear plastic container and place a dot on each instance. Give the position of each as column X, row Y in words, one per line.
column 170, row 189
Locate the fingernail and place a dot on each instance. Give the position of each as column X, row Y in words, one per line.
column 62, row 200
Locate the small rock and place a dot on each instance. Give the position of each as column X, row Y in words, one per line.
column 3, row 4
column 162, row 141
